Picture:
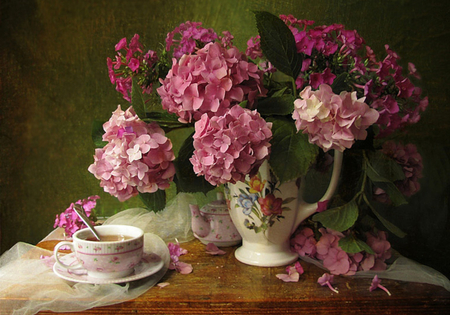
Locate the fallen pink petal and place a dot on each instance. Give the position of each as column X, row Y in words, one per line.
column 376, row 284
column 327, row 279
column 293, row 273
column 163, row 284
column 212, row 249
column 183, row 268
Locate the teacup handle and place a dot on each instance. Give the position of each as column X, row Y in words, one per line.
column 55, row 254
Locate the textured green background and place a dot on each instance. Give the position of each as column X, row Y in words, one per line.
column 54, row 82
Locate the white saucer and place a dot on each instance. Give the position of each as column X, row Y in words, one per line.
column 149, row 265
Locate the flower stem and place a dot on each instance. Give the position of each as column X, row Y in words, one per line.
column 335, row 290
column 384, row 289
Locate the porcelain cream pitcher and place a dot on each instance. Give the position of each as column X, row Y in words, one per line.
column 266, row 215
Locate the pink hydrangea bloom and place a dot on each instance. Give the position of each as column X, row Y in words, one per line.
column 337, row 261
column 231, row 146
column 410, row 160
column 137, row 158
column 210, row 81
column 303, row 242
column 69, row 219
column 332, row 121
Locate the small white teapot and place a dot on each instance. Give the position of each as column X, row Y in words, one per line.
column 212, row 223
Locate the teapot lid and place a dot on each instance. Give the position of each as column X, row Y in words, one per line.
column 218, row 206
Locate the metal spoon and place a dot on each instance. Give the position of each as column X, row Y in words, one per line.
column 80, row 211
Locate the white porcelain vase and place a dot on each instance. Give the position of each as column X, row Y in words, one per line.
column 266, row 214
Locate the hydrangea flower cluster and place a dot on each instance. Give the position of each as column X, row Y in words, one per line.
column 69, row 219
column 332, row 121
column 133, row 64
column 229, row 147
column 336, row 260
column 329, row 51
column 410, row 160
column 210, row 81
column 137, row 158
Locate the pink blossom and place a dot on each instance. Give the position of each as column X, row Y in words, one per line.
column 231, row 146
column 137, row 158
column 303, row 242
column 134, row 63
column 191, row 35
column 211, row 81
column 332, row 121
column 175, row 252
column 410, row 160
column 69, row 219
column 327, row 279
column 293, row 273
column 212, row 249
column 376, row 284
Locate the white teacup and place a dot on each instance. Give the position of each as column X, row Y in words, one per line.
column 115, row 256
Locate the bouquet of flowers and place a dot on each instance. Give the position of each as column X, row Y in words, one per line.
column 297, row 93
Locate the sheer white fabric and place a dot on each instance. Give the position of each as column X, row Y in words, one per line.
column 28, row 284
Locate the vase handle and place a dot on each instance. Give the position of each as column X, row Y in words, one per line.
column 306, row 209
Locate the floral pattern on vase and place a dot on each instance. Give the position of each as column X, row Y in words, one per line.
column 257, row 201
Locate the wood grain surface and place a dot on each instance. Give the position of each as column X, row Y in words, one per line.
column 222, row 285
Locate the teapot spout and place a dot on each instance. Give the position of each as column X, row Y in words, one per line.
column 200, row 226
column 307, row 209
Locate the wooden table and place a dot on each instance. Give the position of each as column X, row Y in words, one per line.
column 222, row 285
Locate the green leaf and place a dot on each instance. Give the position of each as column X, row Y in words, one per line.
column 291, row 153
column 382, row 171
column 340, row 83
column 278, row 105
column 154, row 201
column 186, row 179
column 137, row 99
column 97, row 134
column 353, row 245
column 340, row 218
column 390, row 226
column 384, row 167
column 278, row 43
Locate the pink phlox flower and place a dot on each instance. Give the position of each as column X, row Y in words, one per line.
column 175, row 252
column 187, row 37
column 212, row 249
column 303, row 242
column 376, row 284
column 133, row 64
column 413, row 71
column 228, row 147
column 327, row 279
column 293, row 273
column 325, row 77
column 69, row 219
